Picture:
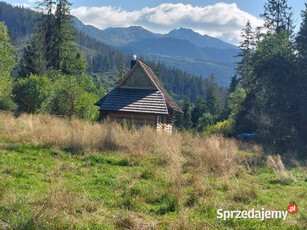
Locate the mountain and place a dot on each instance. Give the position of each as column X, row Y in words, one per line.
column 163, row 46
column 186, row 56
column 199, row 40
column 122, row 36
column 115, row 36
column 181, row 48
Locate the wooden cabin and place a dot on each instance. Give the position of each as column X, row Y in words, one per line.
column 140, row 98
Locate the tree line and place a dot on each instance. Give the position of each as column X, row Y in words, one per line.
column 267, row 98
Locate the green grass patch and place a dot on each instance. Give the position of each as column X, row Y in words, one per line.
column 93, row 190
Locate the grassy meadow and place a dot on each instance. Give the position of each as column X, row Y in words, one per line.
column 71, row 174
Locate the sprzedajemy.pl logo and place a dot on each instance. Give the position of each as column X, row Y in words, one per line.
column 256, row 214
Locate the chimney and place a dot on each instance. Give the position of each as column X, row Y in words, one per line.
column 133, row 61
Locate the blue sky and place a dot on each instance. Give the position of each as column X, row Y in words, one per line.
column 221, row 19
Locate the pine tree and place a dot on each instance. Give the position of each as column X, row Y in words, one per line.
column 7, row 63
column 278, row 16
column 244, row 66
column 213, row 102
column 301, row 47
column 33, row 60
column 63, row 35
column 273, row 66
column 186, row 118
column 53, row 46
column 234, row 83
column 301, row 40
column 198, row 110
column 46, row 29
column 121, row 70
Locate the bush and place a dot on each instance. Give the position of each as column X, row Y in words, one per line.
column 223, row 127
column 32, row 94
column 7, row 103
column 70, row 99
column 206, row 120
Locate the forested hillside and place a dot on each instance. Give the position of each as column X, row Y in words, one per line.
column 104, row 63
column 22, row 22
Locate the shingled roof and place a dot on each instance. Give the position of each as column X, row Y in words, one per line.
column 152, row 100
column 132, row 100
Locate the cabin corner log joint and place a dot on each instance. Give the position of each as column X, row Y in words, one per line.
column 140, row 98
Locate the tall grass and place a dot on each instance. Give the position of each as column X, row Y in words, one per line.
column 215, row 153
column 276, row 163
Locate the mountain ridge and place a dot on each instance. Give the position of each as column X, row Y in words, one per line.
column 181, row 48
column 181, row 33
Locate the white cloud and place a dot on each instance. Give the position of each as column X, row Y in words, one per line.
column 220, row 20
column 24, row 5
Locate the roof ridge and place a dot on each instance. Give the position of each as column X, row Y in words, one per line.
column 141, row 62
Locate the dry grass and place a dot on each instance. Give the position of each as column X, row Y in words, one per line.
column 276, row 163
column 130, row 220
column 215, row 153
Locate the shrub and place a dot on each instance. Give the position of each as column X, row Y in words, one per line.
column 207, row 119
column 6, row 103
column 70, row 99
column 223, row 127
column 32, row 93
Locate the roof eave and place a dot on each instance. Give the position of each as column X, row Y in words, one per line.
column 123, row 111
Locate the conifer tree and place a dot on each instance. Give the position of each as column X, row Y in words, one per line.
column 235, row 80
column 121, row 71
column 33, row 60
column 213, row 102
column 7, row 63
column 198, row 110
column 278, row 16
column 273, row 66
column 244, row 66
column 301, row 40
column 58, row 36
column 301, row 47
column 63, row 34
column 186, row 118
column 46, row 29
